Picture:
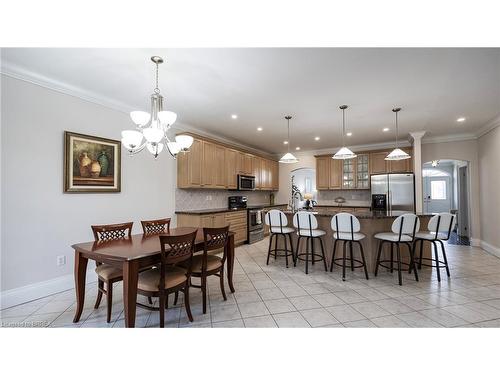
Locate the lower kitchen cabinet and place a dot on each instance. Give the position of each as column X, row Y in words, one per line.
column 237, row 222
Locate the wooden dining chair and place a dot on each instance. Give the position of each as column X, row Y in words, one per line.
column 108, row 275
column 156, row 226
column 169, row 278
column 209, row 263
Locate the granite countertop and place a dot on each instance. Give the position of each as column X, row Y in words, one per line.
column 330, row 212
column 208, row 211
column 345, row 205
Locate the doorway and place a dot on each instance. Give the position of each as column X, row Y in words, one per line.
column 446, row 189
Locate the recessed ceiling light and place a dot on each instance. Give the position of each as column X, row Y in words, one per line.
column 259, row 129
column 461, row 119
column 348, row 134
column 285, row 142
column 316, row 138
column 234, row 117
column 297, row 148
column 385, row 129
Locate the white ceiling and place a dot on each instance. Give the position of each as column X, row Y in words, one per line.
column 205, row 86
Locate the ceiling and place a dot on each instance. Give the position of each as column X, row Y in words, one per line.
column 434, row 86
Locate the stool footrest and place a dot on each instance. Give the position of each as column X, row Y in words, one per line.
column 433, row 262
column 316, row 257
column 360, row 264
column 285, row 253
column 395, row 266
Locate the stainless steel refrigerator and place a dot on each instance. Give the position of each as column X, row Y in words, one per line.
column 399, row 189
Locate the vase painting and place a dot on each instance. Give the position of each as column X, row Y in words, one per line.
column 92, row 164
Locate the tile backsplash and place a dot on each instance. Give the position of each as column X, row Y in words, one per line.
column 196, row 199
column 351, row 196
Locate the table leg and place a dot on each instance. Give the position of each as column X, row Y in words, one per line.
column 80, row 276
column 230, row 262
column 130, row 276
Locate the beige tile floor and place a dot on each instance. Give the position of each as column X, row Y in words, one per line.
column 274, row 296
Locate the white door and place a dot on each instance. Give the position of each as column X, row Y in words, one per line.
column 437, row 194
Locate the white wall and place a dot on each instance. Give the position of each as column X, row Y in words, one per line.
column 489, row 172
column 461, row 150
column 39, row 221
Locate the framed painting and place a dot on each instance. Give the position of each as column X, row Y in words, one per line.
column 91, row 164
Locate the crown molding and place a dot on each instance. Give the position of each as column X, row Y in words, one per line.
column 449, row 138
column 489, row 126
column 13, row 71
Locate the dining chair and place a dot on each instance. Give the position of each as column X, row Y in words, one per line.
column 108, row 275
column 212, row 261
column 439, row 230
column 169, row 277
column 403, row 231
column 156, row 226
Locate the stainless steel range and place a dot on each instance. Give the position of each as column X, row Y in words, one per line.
column 255, row 225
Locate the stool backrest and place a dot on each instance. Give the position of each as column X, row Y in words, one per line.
column 442, row 223
column 305, row 221
column 345, row 222
column 406, row 224
column 276, row 218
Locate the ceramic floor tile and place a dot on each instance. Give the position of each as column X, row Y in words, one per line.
column 370, row 309
column 345, row 313
column 246, row 297
column 416, row 319
column 443, row 317
column 223, row 312
column 466, row 313
column 328, row 299
column 389, row 321
column 291, row 320
column 350, row 296
column 270, row 294
column 318, row 317
column 365, row 323
column 253, row 309
column 278, row 306
column 393, row 306
column 304, row 303
column 237, row 323
column 260, row 322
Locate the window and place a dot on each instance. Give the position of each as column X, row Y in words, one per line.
column 438, row 190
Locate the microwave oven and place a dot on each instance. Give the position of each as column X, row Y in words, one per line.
column 246, row 182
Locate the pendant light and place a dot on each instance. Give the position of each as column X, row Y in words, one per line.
column 288, row 158
column 397, row 153
column 344, row 152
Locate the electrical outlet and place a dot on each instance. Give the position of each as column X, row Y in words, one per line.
column 61, row 260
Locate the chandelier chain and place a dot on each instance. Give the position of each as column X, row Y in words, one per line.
column 157, row 90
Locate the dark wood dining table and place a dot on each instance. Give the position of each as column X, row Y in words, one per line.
column 131, row 255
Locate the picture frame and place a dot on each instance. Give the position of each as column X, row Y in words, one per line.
column 91, row 164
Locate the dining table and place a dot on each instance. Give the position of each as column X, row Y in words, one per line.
column 132, row 255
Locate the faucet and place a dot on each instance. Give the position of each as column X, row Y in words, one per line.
column 295, row 194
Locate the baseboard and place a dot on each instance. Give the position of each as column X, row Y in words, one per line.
column 490, row 249
column 17, row 296
column 475, row 242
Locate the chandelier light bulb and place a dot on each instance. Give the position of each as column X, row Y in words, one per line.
column 153, row 135
column 184, row 141
column 167, row 118
column 131, row 139
column 140, row 118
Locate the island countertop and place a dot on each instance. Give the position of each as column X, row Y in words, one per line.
column 365, row 214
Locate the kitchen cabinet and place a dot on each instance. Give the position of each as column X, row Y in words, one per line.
column 335, row 173
column 237, row 222
column 363, row 171
column 189, row 166
column 378, row 164
column 213, row 165
column 328, row 173
column 231, row 168
column 398, row 166
column 348, row 174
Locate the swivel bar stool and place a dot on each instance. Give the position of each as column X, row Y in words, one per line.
column 440, row 227
column 403, row 232
column 277, row 222
column 346, row 228
column 307, row 227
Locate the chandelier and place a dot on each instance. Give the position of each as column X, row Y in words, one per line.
column 152, row 128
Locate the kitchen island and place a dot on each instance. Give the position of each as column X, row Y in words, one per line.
column 372, row 222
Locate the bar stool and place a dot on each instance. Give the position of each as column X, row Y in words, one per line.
column 346, row 228
column 277, row 222
column 307, row 227
column 403, row 232
column 439, row 230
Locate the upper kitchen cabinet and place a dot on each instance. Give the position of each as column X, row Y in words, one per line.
column 213, row 165
column 328, row 173
column 231, row 168
column 378, row 164
column 189, row 166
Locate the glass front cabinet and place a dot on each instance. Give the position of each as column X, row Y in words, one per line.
column 363, row 174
